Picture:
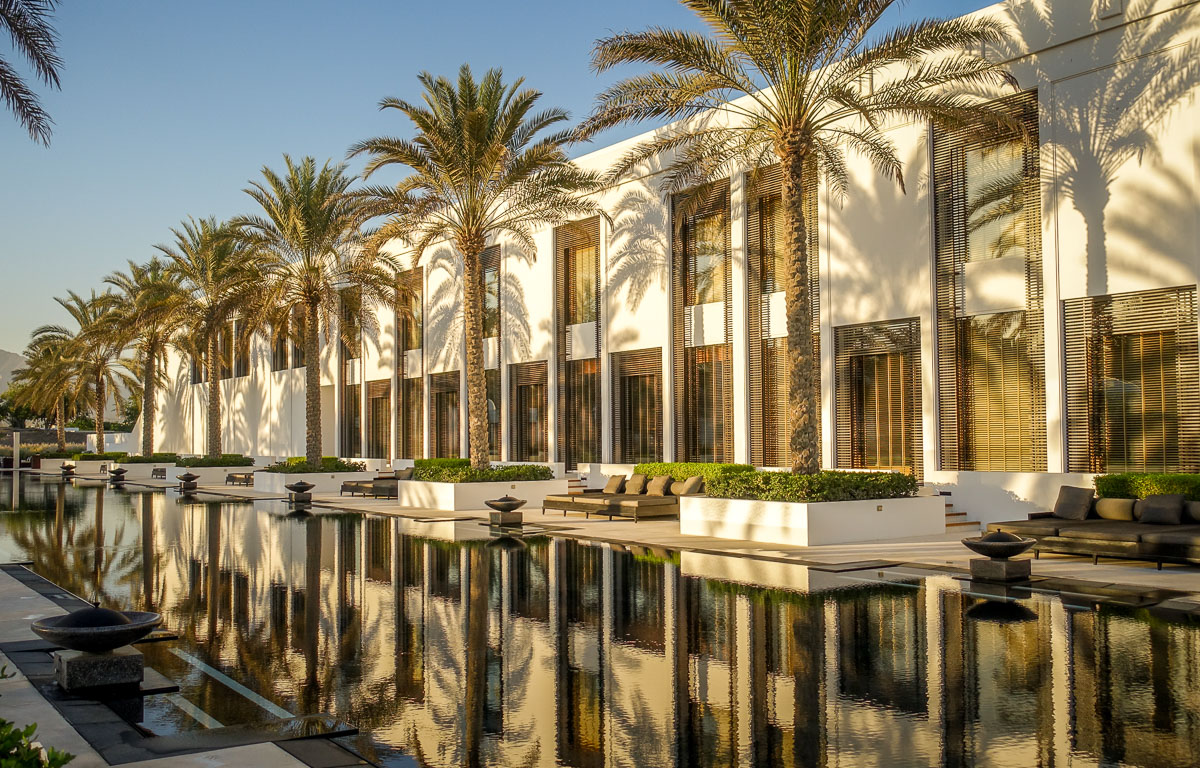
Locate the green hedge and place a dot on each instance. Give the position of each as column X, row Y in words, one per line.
column 441, row 463
column 297, row 465
column 1138, row 485
column 460, row 474
column 822, row 486
column 154, row 458
column 110, row 456
column 682, row 470
column 224, row 460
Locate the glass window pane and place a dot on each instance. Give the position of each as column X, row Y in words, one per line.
column 707, row 259
column 491, row 302
column 997, row 392
column 582, row 307
column 995, row 201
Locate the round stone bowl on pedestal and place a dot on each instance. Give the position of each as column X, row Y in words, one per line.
column 95, row 629
column 504, row 511
column 998, row 545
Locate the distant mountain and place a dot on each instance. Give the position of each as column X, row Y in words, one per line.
column 9, row 362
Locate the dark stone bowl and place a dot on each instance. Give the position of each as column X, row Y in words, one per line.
column 187, row 477
column 999, row 545
column 506, row 504
column 1000, row 612
column 300, row 486
column 101, row 639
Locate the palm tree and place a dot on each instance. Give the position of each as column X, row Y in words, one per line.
column 309, row 235
column 49, row 381
column 479, row 169
column 218, row 278
column 150, row 312
column 93, row 352
column 28, row 25
column 796, row 82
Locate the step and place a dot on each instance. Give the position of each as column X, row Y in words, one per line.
column 966, row 524
column 956, row 514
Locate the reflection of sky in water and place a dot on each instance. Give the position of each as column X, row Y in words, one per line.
column 587, row 655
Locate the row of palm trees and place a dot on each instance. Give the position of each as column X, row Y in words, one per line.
column 794, row 82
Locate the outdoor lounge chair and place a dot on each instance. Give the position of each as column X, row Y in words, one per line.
column 239, row 478
column 635, row 498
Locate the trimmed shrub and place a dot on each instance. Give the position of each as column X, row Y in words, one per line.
column 460, row 474
column 822, row 486
column 224, row 460
column 682, row 470
column 447, row 463
column 155, row 458
column 1139, row 485
column 298, row 466
column 110, row 456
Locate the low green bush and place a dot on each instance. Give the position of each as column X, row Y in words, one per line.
column 822, row 486
column 45, row 450
column 298, row 466
column 460, row 474
column 682, row 470
column 154, row 458
column 1139, row 485
column 447, row 463
column 224, row 460
column 109, row 456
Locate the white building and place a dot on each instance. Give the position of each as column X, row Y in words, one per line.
column 1024, row 315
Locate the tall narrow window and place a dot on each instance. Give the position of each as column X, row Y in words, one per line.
column 443, row 389
column 706, row 257
column 577, row 275
column 241, row 350
column 410, row 312
column 351, row 421
column 990, row 363
column 1133, row 382
column 196, row 370
column 492, row 385
column 225, row 349
column 279, row 349
column 583, row 413
column 351, row 330
column 637, row 406
column 528, row 384
column 489, row 261
column 412, row 418
column 299, row 331
column 707, row 394
column 379, row 408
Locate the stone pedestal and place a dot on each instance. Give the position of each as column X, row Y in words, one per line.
column 505, row 519
column 78, row 669
column 987, row 569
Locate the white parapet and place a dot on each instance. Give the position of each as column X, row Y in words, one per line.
column 141, row 470
column 207, row 475
column 324, row 482
column 419, row 494
column 808, row 525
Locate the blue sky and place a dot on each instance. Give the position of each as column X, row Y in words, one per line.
column 167, row 109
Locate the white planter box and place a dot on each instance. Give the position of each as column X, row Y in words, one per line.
column 325, row 482
column 808, row 525
column 460, row 496
column 208, row 475
column 139, row 471
column 91, row 467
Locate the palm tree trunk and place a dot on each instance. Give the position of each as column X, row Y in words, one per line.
column 477, row 428
column 312, row 386
column 148, row 386
column 101, row 400
column 213, row 448
column 803, row 376
column 60, row 423
column 475, row 687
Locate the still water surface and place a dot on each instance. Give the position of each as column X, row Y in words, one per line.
column 445, row 651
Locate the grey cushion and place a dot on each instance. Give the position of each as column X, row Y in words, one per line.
column 1191, row 511
column 1073, row 503
column 1043, row 526
column 659, row 486
column 636, row 485
column 645, row 501
column 1104, row 530
column 1115, row 509
column 1164, row 509
column 615, row 484
column 404, row 474
column 1180, row 535
column 693, row 485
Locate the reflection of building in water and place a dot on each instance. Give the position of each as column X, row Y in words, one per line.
column 567, row 653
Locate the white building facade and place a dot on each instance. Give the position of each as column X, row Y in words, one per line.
column 1024, row 316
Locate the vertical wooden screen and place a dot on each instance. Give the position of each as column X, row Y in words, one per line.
column 444, row 414
column 379, row 406
column 241, row 351
column 1133, row 382
column 410, row 329
column 299, row 328
column 637, row 406
column 877, row 396
column 987, row 204
column 279, row 349
column 489, row 271
column 701, row 274
column 491, row 379
column 351, row 421
column 411, row 410
column 577, row 283
column 527, row 394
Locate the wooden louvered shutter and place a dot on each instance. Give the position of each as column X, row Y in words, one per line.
column 637, row 406
column 578, row 379
column 527, row 411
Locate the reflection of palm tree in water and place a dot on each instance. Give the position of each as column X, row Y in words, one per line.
column 1098, row 129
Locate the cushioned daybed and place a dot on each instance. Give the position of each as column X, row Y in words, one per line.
column 384, row 486
column 1162, row 529
column 636, row 498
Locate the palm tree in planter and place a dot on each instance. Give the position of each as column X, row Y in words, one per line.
column 93, row 352
column 50, row 381
column 219, row 278
column 309, row 234
column 479, row 169
column 149, row 310
column 798, row 83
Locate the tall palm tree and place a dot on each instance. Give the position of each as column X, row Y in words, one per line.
column 478, row 169
column 94, row 351
column 308, row 233
column 150, row 311
column 218, row 280
column 796, row 82
column 49, row 381
column 28, row 25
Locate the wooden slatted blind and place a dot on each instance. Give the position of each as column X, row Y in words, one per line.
column 351, row 422
column 444, row 414
column 877, row 396
column 379, row 405
column 1133, row 382
column 637, row 406
column 527, row 392
column 577, row 284
column 410, row 406
column 989, row 360
column 701, row 275
column 491, row 381
column 411, row 415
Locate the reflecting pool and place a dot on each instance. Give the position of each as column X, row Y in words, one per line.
column 446, row 647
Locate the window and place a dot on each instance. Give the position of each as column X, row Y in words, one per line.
column 241, row 351
column 584, row 267
column 351, row 330
column 637, row 406
column 279, row 349
column 489, row 262
column 1133, row 382
column 528, row 384
column 491, row 378
column 705, row 240
column 577, row 276
column 379, row 408
column 411, row 413
column 351, row 442
column 582, row 419
column 443, row 389
column 877, row 396
column 225, row 350
column 709, row 399
column 196, row 370
column 409, row 314
column 299, row 331
column 990, row 364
